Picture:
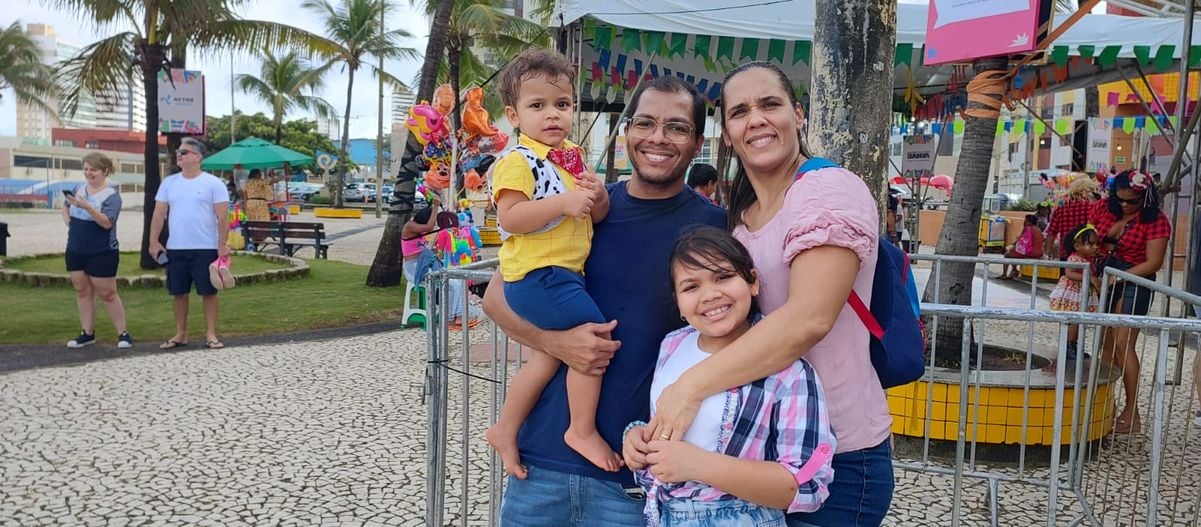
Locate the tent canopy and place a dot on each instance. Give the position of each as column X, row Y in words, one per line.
column 253, row 152
column 698, row 40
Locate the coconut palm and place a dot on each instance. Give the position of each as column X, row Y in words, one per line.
column 355, row 25
column 147, row 37
column 22, row 70
column 287, row 83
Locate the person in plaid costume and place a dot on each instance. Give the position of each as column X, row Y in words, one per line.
column 1134, row 238
column 1077, row 204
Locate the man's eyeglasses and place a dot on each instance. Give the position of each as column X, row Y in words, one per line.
column 183, row 152
column 644, row 127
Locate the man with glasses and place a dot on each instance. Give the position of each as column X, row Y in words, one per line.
column 195, row 205
column 627, row 275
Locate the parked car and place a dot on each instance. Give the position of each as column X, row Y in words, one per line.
column 387, row 193
column 301, row 191
column 364, row 192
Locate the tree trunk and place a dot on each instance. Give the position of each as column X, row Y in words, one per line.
column 611, row 153
column 151, row 59
column 960, row 231
column 387, row 267
column 344, row 157
column 854, row 43
column 279, row 128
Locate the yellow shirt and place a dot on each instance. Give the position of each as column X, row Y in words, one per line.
column 566, row 245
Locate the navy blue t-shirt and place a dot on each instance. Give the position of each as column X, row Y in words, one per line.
column 628, row 276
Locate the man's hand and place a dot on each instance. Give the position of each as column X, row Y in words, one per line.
column 223, row 250
column 577, row 203
column 635, row 448
column 586, row 348
column 676, row 461
column 156, row 248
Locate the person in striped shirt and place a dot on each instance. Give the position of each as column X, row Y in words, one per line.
column 753, row 452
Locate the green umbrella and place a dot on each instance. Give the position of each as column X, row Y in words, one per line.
column 253, row 152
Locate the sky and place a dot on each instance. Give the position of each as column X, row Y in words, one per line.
column 217, row 69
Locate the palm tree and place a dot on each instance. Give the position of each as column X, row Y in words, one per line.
column 21, row 69
column 150, row 36
column 461, row 25
column 283, row 82
column 355, row 25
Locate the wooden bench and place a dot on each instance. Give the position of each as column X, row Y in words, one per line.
column 289, row 236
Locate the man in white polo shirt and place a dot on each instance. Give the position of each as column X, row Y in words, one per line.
column 196, row 206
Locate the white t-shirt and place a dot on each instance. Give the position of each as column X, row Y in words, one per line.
column 191, row 220
column 705, row 431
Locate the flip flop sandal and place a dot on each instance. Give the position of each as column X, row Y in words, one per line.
column 227, row 276
column 215, row 275
column 172, row 344
column 214, row 345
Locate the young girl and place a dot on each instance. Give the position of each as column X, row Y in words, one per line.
column 1081, row 247
column 752, row 452
column 1029, row 245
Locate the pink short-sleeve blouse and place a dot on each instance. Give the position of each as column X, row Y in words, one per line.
column 830, row 206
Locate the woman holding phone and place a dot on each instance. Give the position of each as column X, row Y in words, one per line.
column 90, row 212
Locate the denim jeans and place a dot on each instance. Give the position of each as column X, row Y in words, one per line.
column 455, row 286
column 727, row 513
column 547, row 498
column 861, row 491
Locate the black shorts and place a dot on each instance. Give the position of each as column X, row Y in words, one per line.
column 190, row 266
column 1134, row 299
column 100, row 265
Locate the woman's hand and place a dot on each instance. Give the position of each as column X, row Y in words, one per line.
column 676, row 461
column 635, row 448
column 674, row 412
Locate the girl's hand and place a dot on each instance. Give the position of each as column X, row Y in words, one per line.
column 635, row 448
column 676, row 461
column 674, row 412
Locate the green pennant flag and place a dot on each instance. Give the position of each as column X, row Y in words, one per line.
column 957, row 126
column 750, row 49
column 801, row 50
column 1063, row 126
column 1040, row 128
column 904, row 55
column 775, row 50
column 1000, row 127
column 1175, row 121
column 1019, row 127
column 1086, row 50
column 710, row 66
column 1128, row 125
column 1143, row 54
column 1109, row 55
column 1163, row 57
column 1059, row 55
column 631, row 39
column 679, row 44
column 654, row 42
column 725, row 48
column 1152, row 126
column 1194, row 56
column 700, row 46
column 590, row 29
column 604, row 37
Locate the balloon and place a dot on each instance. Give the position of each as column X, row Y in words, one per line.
column 426, row 124
column 444, row 99
column 475, row 117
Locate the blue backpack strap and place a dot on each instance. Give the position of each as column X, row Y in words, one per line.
column 815, row 163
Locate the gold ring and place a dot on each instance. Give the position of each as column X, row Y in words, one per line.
column 664, row 437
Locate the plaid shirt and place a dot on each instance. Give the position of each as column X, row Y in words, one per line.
column 1132, row 245
column 1067, row 216
column 779, row 418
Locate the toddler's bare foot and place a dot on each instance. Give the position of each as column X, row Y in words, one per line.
column 504, row 441
column 594, row 448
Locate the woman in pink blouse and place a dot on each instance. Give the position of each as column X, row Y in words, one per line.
column 813, row 240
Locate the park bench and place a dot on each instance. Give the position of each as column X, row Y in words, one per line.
column 289, row 236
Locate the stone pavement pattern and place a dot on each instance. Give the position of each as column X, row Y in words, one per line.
column 316, row 433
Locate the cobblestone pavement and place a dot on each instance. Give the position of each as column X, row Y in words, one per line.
column 316, row 433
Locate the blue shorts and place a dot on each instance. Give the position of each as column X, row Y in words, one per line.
column 190, row 266
column 553, row 298
column 546, row 498
column 102, row 265
column 725, row 513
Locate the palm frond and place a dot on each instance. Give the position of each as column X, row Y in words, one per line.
column 21, row 69
column 103, row 13
column 100, row 67
column 219, row 37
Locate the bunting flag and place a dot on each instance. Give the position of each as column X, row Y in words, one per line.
column 1040, row 128
column 1063, row 126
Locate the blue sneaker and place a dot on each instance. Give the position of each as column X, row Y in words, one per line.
column 84, row 339
column 124, row 340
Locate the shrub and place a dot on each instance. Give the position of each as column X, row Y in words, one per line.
column 1023, row 205
column 317, row 199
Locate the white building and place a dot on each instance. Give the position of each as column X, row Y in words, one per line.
column 330, row 127
column 402, row 100
column 125, row 109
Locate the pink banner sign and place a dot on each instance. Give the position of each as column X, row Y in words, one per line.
column 962, row 30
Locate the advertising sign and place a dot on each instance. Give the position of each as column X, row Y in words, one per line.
column 1100, row 140
column 917, row 156
column 181, row 102
column 962, row 30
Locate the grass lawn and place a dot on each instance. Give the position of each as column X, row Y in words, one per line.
column 332, row 295
column 130, row 262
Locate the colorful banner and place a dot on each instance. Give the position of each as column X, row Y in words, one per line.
column 1100, row 140
column 181, row 102
column 962, row 30
column 917, row 156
